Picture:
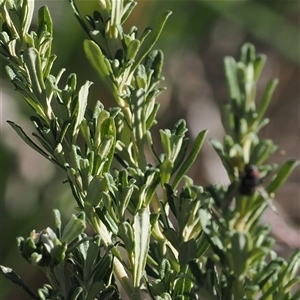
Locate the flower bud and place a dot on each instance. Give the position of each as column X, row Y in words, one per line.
column 42, row 248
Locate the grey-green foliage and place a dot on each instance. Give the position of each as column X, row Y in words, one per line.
column 242, row 247
column 178, row 244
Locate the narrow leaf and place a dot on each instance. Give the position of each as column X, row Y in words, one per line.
column 94, row 290
column 281, row 176
column 94, row 191
column 27, row 13
column 29, row 142
column 79, row 17
column 57, row 218
column 97, row 60
column 76, row 293
column 137, row 104
column 152, row 39
column 266, row 99
column 44, row 21
column 141, row 228
column 187, row 252
column 73, row 229
column 132, row 49
column 15, row 278
column 126, row 235
column 181, row 154
column 81, row 106
column 247, row 53
column 172, row 237
column 231, row 76
column 258, row 65
column 33, row 64
column 108, row 129
column 191, row 158
column 44, row 24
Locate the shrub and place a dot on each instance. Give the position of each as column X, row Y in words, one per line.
column 154, row 230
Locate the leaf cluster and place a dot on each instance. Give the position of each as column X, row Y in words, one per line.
column 148, row 234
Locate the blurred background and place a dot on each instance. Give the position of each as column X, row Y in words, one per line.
column 196, row 38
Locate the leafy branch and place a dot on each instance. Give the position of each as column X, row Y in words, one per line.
column 174, row 244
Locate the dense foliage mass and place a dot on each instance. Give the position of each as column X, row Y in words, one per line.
column 154, row 231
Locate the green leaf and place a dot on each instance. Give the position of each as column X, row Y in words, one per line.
column 231, row 76
column 15, row 278
column 125, row 198
column 191, row 158
column 107, row 217
column 165, row 136
column 240, row 251
column 266, row 99
column 287, row 273
column 141, row 78
column 91, row 257
column 172, row 236
column 94, row 191
column 181, row 154
column 223, row 156
column 44, row 23
column 247, row 53
column 293, row 266
column 30, row 143
column 57, row 218
column 183, row 285
column 94, row 290
column 258, row 65
column 197, row 272
column 282, row 175
column 217, row 147
column 165, row 268
column 228, row 143
column 227, row 118
column 79, row 18
column 33, row 65
column 105, row 147
column 50, row 61
column 81, row 105
column 75, row 293
column 128, row 6
column 262, row 151
column 203, row 245
column 74, row 228
column 141, row 229
column 126, row 235
column 27, row 13
column 164, row 296
column 152, row 180
column 132, row 49
column 256, row 255
column 97, row 60
column 137, row 103
column 166, row 169
column 261, row 278
column 152, row 39
column 108, row 129
column 154, row 61
column 100, row 115
column 187, row 252
column 151, row 118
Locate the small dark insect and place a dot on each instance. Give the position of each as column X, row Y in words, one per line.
column 250, row 180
